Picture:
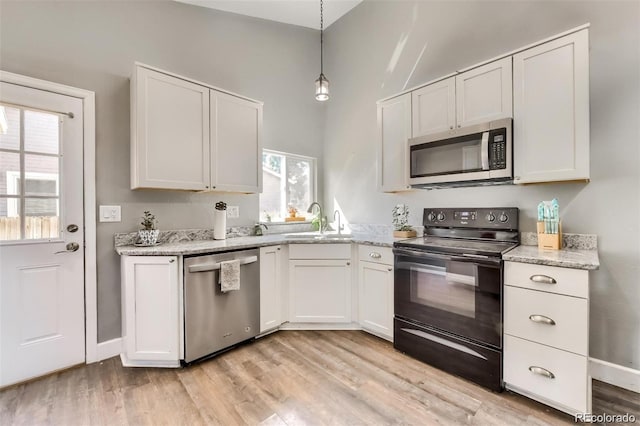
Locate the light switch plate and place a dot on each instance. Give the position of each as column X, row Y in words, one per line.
column 233, row 212
column 110, row 214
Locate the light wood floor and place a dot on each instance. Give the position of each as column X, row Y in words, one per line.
column 291, row 377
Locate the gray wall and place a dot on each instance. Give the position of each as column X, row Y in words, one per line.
column 370, row 55
column 93, row 45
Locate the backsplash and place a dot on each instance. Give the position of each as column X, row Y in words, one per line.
column 569, row 241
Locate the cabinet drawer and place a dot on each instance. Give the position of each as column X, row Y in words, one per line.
column 369, row 253
column 320, row 251
column 567, row 389
column 572, row 282
column 551, row 319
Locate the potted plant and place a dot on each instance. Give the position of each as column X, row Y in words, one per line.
column 148, row 235
column 401, row 228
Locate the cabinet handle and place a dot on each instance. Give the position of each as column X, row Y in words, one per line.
column 375, row 255
column 450, row 127
column 542, row 371
column 390, row 269
column 348, row 263
column 542, row 319
column 459, row 125
column 543, row 279
column 278, row 248
column 171, row 260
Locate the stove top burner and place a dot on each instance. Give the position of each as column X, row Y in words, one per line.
column 457, row 245
column 481, row 231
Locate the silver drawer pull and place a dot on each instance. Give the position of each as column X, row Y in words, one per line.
column 543, row 279
column 542, row 319
column 542, row 371
column 375, row 255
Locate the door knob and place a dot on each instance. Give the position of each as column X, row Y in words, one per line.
column 70, row 248
column 72, row 228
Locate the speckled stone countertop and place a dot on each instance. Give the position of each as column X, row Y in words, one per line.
column 213, row 246
column 579, row 252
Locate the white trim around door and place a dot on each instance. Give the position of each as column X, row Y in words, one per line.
column 89, row 137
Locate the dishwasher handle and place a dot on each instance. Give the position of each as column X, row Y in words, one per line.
column 206, row 267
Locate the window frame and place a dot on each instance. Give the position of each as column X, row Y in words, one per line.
column 313, row 177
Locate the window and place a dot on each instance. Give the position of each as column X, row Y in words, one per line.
column 288, row 182
column 30, row 164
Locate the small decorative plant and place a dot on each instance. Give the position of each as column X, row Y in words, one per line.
column 148, row 235
column 400, row 214
column 148, row 221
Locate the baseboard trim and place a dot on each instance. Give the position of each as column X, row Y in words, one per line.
column 320, row 326
column 109, row 349
column 614, row 374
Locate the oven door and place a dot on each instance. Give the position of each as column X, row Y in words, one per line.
column 457, row 294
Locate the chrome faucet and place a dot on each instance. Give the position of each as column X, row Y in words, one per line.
column 334, row 219
column 310, row 210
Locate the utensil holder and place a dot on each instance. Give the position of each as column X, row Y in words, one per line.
column 549, row 241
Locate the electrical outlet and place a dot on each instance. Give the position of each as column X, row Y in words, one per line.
column 110, row 214
column 233, row 212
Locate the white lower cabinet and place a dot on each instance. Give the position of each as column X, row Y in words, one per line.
column 375, row 276
column 151, row 311
column 270, row 288
column 320, row 283
column 546, row 342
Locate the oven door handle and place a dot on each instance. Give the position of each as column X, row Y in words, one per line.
column 468, row 258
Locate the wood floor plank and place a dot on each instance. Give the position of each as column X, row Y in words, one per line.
column 286, row 378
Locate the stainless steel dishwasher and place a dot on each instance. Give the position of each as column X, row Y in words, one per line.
column 214, row 320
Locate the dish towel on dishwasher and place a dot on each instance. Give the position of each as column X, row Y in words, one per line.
column 229, row 275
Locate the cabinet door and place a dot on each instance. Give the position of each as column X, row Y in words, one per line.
column 551, row 111
column 320, row 291
column 270, row 293
column 433, row 107
column 169, row 132
column 484, row 93
column 394, row 131
column 151, row 314
column 376, row 298
column 236, row 145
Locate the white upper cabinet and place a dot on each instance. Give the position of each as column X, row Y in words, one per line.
column 551, row 111
column 169, row 132
column 484, row 93
column 434, row 108
column 394, row 130
column 236, row 148
column 186, row 135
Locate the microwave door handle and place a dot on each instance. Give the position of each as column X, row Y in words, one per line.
column 484, row 150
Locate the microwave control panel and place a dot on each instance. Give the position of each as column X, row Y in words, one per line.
column 498, row 149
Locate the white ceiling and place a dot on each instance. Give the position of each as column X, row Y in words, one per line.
column 305, row 13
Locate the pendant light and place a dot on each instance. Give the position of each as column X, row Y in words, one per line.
column 322, row 84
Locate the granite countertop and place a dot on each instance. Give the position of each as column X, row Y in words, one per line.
column 566, row 258
column 213, row 246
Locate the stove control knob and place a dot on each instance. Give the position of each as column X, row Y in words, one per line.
column 503, row 217
column 490, row 217
column 431, row 217
column 440, row 216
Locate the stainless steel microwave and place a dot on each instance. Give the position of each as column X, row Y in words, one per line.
column 478, row 154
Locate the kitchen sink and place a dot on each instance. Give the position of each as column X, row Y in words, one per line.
column 315, row 235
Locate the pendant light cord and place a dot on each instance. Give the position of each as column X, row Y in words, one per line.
column 321, row 37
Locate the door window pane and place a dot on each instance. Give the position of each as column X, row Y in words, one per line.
column 41, row 132
column 287, row 182
column 41, row 175
column 41, row 218
column 9, row 219
column 9, row 173
column 9, row 128
column 298, row 184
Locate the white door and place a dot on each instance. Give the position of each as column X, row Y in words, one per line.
column 434, row 107
column 236, row 146
column 270, row 294
column 41, row 251
column 484, row 93
column 376, row 298
column 394, row 130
